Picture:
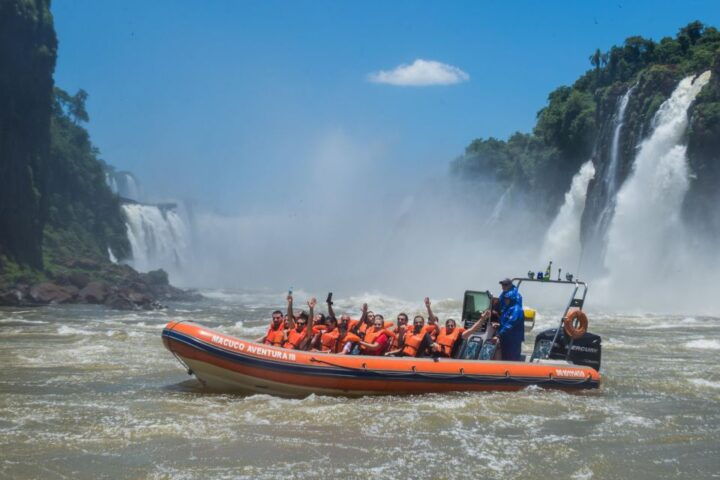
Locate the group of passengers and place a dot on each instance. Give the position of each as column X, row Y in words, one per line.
column 371, row 334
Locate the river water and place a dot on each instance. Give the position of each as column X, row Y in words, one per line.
column 90, row 393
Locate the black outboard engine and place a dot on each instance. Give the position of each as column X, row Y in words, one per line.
column 585, row 350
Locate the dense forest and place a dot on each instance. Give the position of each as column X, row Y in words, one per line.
column 56, row 205
column 58, row 216
column 576, row 124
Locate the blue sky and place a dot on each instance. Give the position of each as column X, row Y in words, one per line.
column 227, row 101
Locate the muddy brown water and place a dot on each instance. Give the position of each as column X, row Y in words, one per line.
column 91, row 393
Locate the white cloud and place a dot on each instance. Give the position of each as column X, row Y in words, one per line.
column 420, row 73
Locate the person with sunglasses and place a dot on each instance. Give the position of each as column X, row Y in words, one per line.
column 416, row 342
column 297, row 337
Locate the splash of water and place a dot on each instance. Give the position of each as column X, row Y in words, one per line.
column 646, row 238
column 562, row 240
column 159, row 237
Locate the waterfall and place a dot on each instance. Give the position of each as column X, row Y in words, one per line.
column 124, row 184
column 611, row 176
column 158, row 235
column 499, row 207
column 595, row 243
column 646, row 233
column 562, row 240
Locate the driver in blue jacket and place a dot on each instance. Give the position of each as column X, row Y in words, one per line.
column 508, row 287
column 512, row 323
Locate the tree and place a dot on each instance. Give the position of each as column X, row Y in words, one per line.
column 71, row 106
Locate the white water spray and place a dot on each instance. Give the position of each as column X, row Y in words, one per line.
column 562, row 240
column 646, row 233
column 159, row 237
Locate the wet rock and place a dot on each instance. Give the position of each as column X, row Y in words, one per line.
column 156, row 277
column 11, row 298
column 79, row 279
column 119, row 301
column 48, row 292
column 94, row 292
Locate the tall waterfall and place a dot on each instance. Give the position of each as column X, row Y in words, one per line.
column 562, row 240
column 646, row 234
column 159, row 237
column 611, row 177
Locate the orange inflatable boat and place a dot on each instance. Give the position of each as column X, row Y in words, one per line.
column 567, row 357
column 224, row 363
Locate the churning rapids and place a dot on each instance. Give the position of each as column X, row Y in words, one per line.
column 91, row 393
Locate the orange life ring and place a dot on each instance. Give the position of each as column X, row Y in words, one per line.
column 576, row 331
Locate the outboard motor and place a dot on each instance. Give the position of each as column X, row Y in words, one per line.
column 585, row 350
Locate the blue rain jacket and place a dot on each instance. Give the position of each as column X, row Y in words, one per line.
column 512, row 320
column 513, row 291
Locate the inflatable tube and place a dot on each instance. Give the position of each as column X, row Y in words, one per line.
column 571, row 329
column 225, row 363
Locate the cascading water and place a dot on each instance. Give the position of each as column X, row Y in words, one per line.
column 499, row 207
column 123, row 184
column 562, row 240
column 646, row 233
column 611, row 177
column 159, row 237
column 595, row 242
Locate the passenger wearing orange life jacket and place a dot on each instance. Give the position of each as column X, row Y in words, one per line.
column 276, row 333
column 359, row 326
column 376, row 338
column 416, row 342
column 399, row 329
column 346, row 338
column 330, row 336
column 297, row 336
column 450, row 337
column 432, row 328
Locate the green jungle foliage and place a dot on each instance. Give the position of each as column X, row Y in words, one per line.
column 568, row 128
column 84, row 217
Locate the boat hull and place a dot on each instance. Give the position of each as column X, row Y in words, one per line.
column 225, row 363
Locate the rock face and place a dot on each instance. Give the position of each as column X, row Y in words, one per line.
column 94, row 292
column 48, row 292
column 128, row 290
column 28, row 49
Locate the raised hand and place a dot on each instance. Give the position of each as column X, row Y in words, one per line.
column 364, row 307
column 312, row 302
column 427, row 302
column 289, row 298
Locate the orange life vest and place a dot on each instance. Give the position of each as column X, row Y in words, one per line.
column 329, row 340
column 362, row 329
column 397, row 336
column 447, row 341
column 432, row 330
column 294, row 338
column 412, row 343
column 275, row 337
column 348, row 338
column 318, row 328
column 371, row 335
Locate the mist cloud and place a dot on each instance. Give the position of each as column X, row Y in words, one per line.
column 420, row 73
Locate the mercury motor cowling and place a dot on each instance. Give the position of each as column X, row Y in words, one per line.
column 585, row 350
